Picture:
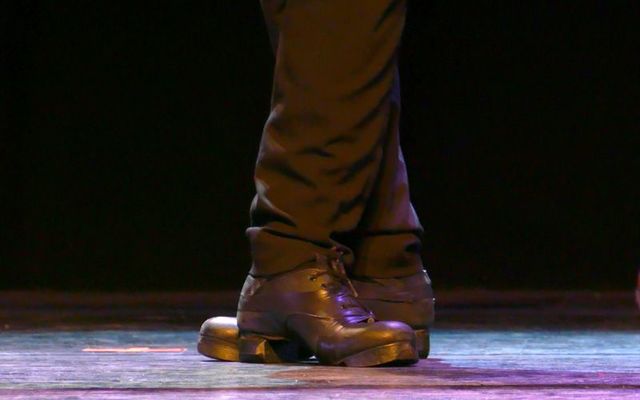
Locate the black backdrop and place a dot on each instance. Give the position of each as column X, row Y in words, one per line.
column 130, row 131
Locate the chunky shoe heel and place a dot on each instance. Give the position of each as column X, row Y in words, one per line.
column 422, row 342
column 254, row 348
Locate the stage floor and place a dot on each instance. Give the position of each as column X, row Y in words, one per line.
column 501, row 357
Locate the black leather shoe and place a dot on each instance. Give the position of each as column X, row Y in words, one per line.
column 407, row 299
column 311, row 310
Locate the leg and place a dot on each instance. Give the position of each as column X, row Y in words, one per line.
column 322, row 146
column 329, row 153
column 388, row 272
column 387, row 243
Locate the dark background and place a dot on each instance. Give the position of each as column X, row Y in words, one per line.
column 129, row 132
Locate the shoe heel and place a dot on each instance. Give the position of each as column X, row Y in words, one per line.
column 422, row 342
column 255, row 348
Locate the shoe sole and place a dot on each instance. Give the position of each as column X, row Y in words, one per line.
column 280, row 350
column 253, row 348
column 397, row 353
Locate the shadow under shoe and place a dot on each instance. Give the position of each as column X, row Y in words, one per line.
column 313, row 310
column 407, row 299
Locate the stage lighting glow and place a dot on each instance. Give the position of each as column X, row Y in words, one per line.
column 134, row 349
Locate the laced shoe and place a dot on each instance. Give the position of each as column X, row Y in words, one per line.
column 407, row 299
column 311, row 310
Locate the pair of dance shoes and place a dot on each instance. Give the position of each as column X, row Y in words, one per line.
column 318, row 310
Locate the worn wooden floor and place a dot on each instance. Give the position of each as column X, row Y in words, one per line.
column 502, row 357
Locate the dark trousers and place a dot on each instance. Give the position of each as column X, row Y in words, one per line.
column 330, row 175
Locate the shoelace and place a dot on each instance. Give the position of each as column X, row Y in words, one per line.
column 337, row 270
